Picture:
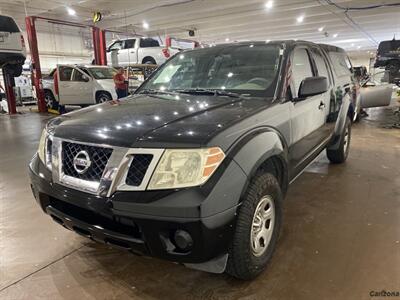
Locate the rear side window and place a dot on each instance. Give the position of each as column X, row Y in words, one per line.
column 65, row 73
column 301, row 68
column 129, row 44
column 320, row 64
column 389, row 46
column 341, row 63
column 7, row 24
column 146, row 43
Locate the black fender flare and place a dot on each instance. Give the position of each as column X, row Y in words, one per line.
column 346, row 110
column 255, row 147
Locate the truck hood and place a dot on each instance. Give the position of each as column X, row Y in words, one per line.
column 155, row 120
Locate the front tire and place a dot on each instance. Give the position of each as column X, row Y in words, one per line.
column 103, row 97
column 340, row 154
column 51, row 102
column 257, row 229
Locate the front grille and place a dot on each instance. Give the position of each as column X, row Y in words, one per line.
column 99, row 157
column 138, row 168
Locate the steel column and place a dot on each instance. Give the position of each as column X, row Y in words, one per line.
column 36, row 71
column 9, row 84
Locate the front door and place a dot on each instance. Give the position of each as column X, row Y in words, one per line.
column 307, row 115
column 74, row 86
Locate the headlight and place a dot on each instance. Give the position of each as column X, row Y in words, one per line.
column 45, row 145
column 185, row 167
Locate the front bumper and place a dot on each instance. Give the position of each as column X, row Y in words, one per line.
column 146, row 222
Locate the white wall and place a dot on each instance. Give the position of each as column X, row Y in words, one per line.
column 60, row 47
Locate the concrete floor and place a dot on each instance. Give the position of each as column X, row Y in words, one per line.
column 340, row 239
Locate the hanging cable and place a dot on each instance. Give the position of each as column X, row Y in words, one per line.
column 330, row 2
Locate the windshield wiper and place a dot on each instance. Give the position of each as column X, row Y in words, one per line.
column 153, row 91
column 200, row 91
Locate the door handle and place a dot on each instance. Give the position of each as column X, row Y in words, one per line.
column 321, row 105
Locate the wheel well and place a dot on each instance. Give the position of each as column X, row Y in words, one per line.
column 148, row 58
column 103, row 92
column 277, row 167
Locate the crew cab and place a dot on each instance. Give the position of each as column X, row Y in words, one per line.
column 194, row 166
column 79, row 85
column 139, row 50
column 12, row 46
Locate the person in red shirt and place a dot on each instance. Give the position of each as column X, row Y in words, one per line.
column 120, row 83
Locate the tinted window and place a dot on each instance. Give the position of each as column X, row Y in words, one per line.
column 77, row 76
column 301, row 69
column 341, row 63
column 244, row 69
column 388, row 46
column 145, row 43
column 65, row 73
column 129, row 44
column 320, row 64
column 7, row 24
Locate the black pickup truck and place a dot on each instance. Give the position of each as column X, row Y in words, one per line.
column 193, row 167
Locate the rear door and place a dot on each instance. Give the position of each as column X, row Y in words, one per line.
column 74, row 86
column 10, row 35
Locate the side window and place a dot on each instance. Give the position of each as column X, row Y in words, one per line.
column 320, row 64
column 65, row 73
column 301, row 68
column 146, row 43
column 116, row 46
column 341, row 63
column 77, row 76
column 129, row 44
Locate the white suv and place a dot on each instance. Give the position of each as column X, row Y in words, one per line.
column 12, row 46
column 80, row 85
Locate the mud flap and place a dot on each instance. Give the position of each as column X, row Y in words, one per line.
column 216, row 265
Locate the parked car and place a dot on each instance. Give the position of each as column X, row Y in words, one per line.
column 193, row 167
column 388, row 57
column 80, row 85
column 12, row 46
column 139, row 51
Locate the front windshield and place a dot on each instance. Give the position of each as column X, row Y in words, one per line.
column 249, row 70
column 102, row 73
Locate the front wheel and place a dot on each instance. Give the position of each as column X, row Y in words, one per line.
column 103, row 97
column 339, row 155
column 257, row 229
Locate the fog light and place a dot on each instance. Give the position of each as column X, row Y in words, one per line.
column 183, row 240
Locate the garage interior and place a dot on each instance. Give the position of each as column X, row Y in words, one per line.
column 341, row 230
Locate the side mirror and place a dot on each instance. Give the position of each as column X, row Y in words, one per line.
column 312, row 86
column 85, row 78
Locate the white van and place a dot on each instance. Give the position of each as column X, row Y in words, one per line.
column 12, row 46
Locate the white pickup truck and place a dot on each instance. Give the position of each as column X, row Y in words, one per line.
column 138, row 51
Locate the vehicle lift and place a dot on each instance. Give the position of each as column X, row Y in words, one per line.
column 100, row 58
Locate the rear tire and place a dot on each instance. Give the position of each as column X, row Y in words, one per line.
column 103, row 97
column 149, row 61
column 257, row 228
column 340, row 155
column 14, row 70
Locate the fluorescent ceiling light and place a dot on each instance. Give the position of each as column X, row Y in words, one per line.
column 71, row 11
column 227, row 40
column 145, row 25
column 320, row 29
column 269, row 4
column 335, row 35
column 300, row 19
